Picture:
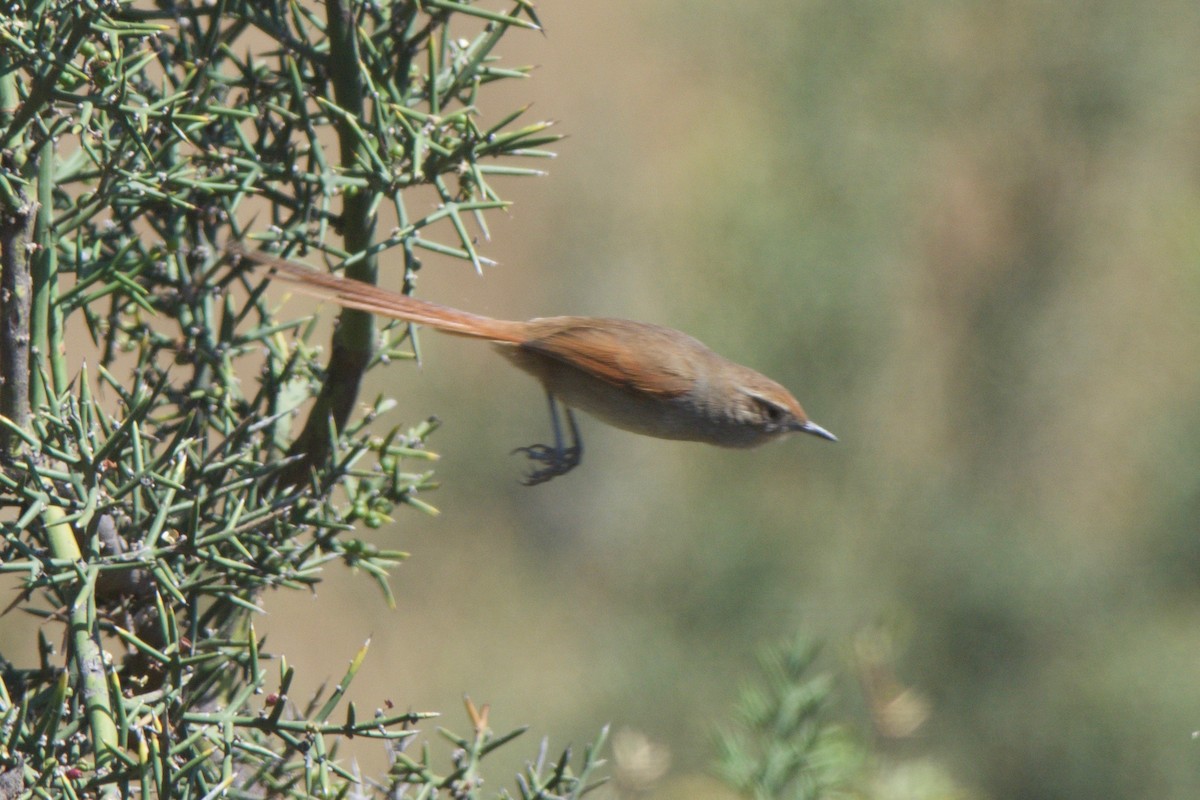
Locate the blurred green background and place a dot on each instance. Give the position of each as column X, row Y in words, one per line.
column 966, row 236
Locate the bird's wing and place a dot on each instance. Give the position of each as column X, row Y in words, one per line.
column 632, row 355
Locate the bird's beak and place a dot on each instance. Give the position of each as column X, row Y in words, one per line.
column 815, row 430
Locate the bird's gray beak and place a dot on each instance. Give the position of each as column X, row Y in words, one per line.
column 816, row 430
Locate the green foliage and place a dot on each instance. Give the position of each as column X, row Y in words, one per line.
column 784, row 745
column 147, row 500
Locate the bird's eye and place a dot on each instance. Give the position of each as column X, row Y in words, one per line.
column 768, row 414
column 771, row 412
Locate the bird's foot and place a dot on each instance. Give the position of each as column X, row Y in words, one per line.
column 555, row 461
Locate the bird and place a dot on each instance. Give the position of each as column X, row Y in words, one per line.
column 640, row 377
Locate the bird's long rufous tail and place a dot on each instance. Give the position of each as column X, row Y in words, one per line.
column 375, row 300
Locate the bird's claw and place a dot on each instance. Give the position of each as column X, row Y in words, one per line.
column 557, row 462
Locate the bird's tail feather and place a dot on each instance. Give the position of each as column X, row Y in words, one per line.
column 373, row 299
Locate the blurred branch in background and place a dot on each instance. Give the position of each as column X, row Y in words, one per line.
column 785, row 741
column 784, row 744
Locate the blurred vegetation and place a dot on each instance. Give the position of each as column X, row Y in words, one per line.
column 784, row 745
column 996, row 209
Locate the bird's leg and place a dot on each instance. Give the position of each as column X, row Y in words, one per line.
column 558, row 459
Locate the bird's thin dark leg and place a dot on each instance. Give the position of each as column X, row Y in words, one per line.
column 560, row 458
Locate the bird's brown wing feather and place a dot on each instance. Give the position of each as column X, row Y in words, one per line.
column 622, row 355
